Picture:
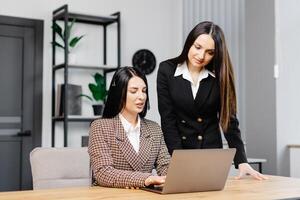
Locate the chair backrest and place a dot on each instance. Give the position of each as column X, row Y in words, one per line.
column 84, row 141
column 60, row 167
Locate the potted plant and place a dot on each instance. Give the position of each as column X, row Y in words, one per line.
column 72, row 42
column 99, row 93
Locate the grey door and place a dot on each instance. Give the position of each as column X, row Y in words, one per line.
column 20, row 99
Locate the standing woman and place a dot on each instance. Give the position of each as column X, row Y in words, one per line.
column 196, row 97
column 124, row 147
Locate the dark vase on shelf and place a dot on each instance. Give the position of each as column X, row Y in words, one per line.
column 98, row 109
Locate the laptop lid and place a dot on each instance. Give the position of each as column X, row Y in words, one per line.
column 196, row 170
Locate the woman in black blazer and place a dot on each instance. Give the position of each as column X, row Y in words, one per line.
column 196, row 97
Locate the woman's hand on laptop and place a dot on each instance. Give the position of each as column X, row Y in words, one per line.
column 155, row 180
column 246, row 169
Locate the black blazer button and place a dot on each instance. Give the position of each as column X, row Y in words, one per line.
column 199, row 119
column 182, row 121
column 200, row 137
column 183, row 137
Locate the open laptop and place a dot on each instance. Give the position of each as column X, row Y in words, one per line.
column 196, row 170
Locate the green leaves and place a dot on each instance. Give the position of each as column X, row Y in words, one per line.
column 99, row 79
column 57, row 29
column 98, row 89
column 72, row 41
column 69, row 28
column 83, row 95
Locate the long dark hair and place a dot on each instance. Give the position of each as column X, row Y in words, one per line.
column 220, row 65
column 116, row 99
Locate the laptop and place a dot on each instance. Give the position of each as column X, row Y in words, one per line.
column 196, row 170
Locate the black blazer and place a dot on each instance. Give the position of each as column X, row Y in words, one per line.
column 193, row 124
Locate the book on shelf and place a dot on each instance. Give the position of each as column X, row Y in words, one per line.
column 74, row 100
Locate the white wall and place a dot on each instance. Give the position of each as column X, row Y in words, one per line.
column 288, row 82
column 155, row 25
column 260, row 82
column 272, row 37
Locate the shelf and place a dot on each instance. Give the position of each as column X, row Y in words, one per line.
column 88, row 19
column 73, row 118
column 106, row 68
column 64, row 16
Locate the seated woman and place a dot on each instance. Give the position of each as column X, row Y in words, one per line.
column 124, row 147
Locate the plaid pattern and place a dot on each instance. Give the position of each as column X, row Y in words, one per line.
column 114, row 161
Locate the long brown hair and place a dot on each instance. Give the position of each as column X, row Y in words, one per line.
column 220, row 64
column 227, row 90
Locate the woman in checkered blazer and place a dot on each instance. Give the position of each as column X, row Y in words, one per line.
column 124, row 147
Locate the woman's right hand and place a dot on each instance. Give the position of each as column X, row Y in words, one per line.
column 155, row 180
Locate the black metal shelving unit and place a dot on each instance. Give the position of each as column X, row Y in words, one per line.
column 63, row 14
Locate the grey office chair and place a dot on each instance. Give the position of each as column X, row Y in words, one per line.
column 60, row 167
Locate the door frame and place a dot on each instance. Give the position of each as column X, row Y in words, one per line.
column 38, row 26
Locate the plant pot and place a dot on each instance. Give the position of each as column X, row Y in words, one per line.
column 98, row 109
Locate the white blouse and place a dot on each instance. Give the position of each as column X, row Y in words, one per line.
column 132, row 133
column 183, row 70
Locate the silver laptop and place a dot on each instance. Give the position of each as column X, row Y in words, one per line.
column 196, row 170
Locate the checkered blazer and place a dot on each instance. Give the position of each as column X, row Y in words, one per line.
column 114, row 161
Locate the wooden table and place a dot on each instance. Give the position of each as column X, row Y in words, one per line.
column 274, row 188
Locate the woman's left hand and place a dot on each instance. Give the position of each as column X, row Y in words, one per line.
column 245, row 169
